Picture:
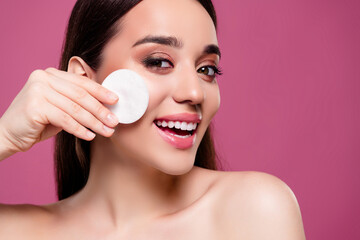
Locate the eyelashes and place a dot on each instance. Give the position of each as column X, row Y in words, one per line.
column 212, row 69
column 163, row 64
column 156, row 62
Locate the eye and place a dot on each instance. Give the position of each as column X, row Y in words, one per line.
column 157, row 63
column 209, row 71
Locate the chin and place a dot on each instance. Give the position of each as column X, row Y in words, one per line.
column 177, row 171
column 175, row 164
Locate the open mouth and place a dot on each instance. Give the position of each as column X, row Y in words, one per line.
column 177, row 128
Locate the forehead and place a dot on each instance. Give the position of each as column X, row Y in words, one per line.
column 185, row 19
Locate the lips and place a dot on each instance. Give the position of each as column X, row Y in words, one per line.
column 179, row 130
column 182, row 117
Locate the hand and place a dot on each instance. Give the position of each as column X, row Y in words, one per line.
column 54, row 100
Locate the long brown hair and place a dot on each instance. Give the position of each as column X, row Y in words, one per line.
column 91, row 25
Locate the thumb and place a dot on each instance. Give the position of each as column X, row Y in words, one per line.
column 49, row 131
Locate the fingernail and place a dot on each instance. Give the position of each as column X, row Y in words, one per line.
column 90, row 134
column 112, row 96
column 109, row 130
column 112, row 118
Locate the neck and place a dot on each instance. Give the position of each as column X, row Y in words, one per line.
column 126, row 190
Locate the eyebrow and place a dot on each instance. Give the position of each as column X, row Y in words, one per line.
column 176, row 43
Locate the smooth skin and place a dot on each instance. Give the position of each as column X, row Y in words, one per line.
column 141, row 187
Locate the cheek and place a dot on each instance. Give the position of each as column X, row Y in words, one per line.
column 159, row 91
column 156, row 94
column 212, row 101
column 132, row 141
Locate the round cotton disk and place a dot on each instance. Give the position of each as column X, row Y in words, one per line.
column 133, row 95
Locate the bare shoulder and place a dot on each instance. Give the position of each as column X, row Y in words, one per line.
column 21, row 220
column 256, row 205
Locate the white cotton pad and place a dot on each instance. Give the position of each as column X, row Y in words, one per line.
column 133, row 95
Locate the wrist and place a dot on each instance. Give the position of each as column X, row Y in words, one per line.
column 5, row 147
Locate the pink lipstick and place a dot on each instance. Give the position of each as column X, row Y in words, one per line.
column 179, row 130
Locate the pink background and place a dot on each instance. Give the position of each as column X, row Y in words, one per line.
column 290, row 100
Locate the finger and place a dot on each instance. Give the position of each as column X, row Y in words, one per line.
column 85, row 100
column 60, row 119
column 78, row 113
column 95, row 89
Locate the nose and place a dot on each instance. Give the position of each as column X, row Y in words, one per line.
column 189, row 88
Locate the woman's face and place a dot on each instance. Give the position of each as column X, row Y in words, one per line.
column 171, row 44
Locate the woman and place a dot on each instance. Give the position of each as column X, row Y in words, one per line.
column 119, row 181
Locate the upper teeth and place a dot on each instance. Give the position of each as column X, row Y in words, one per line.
column 177, row 125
